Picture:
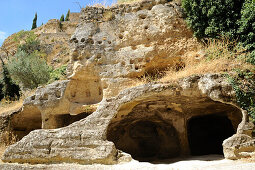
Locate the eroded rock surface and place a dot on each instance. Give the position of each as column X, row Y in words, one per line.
column 110, row 47
column 87, row 141
column 128, row 41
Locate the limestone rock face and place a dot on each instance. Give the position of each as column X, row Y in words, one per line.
column 111, row 47
column 128, row 41
column 94, row 140
column 239, row 146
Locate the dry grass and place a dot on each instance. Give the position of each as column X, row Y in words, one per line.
column 7, row 105
column 213, row 57
column 2, row 149
column 221, row 65
column 7, row 138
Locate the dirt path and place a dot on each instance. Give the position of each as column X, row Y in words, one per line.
column 211, row 162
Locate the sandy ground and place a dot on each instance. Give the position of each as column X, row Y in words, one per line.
column 211, row 162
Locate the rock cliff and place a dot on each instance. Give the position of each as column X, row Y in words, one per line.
column 95, row 117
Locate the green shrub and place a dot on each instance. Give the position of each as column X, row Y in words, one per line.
column 29, row 70
column 247, row 25
column 9, row 90
column 30, row 46
column 243, row 84
column 22, row 35
column 251, row 57
column 58, row 74
column 213, row 18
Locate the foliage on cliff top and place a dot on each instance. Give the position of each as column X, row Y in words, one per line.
column 247, row 25
column 213, row 18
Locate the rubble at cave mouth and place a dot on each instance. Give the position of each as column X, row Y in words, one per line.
column 161, row 127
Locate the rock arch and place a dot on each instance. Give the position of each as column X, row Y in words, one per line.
column 161, row 126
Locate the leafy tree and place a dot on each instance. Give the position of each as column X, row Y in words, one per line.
column 30, row 70
column 34, row 22
column 67, row 16
column 246, row 29
column 213, row 18
column 9, row 89
column 62, row 19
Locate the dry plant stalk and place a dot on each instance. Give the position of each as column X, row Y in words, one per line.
column 8, row 138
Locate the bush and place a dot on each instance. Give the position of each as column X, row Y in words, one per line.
column 29, row 70
column 58, row 74
column 246, row 29
column 30, row 46
column 9, row 90
column 243, row 84
column 213, row 18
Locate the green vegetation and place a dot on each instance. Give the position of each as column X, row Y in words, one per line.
column 247, row 25
column 8, row 89
column 62, row 19
column 244, row 85
column 58, row 74
column 235, row 20
column 34, row 25
column 28, row 67
column 67, row 15
column 29, row 70
column 22, row 35
column 213, row 18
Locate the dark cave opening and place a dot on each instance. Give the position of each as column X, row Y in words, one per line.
column 146, row 140
column 162, row 130
column 67, row 119
column 206, row 134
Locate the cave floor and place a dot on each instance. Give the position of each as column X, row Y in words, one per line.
column 211, row 162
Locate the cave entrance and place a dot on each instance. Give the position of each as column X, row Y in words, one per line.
column 67, row 119
column 157, row 128
column 146, row 140
column 206, row 134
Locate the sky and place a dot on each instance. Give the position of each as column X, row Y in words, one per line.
column 17, row 15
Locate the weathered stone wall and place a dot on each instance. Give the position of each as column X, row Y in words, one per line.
column 128, row 41
column 85, row 141
column 110, row 48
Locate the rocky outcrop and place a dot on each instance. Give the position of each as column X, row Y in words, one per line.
column 92, row 140
column 128, row 41
column 242, row 144
column 53, row 40
column 110, row 48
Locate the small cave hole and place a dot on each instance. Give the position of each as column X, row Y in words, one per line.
column 83, row 39
column 142, row 16
column 121, row 36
